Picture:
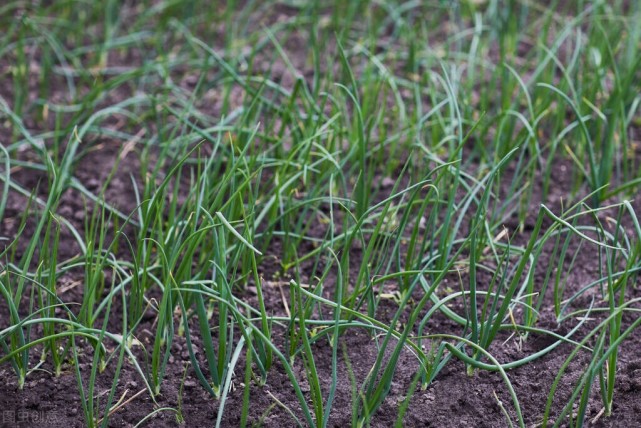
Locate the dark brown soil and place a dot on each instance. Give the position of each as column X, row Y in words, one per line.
column 454, row 399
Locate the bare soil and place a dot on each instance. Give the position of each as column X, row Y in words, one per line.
column 453, row 400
